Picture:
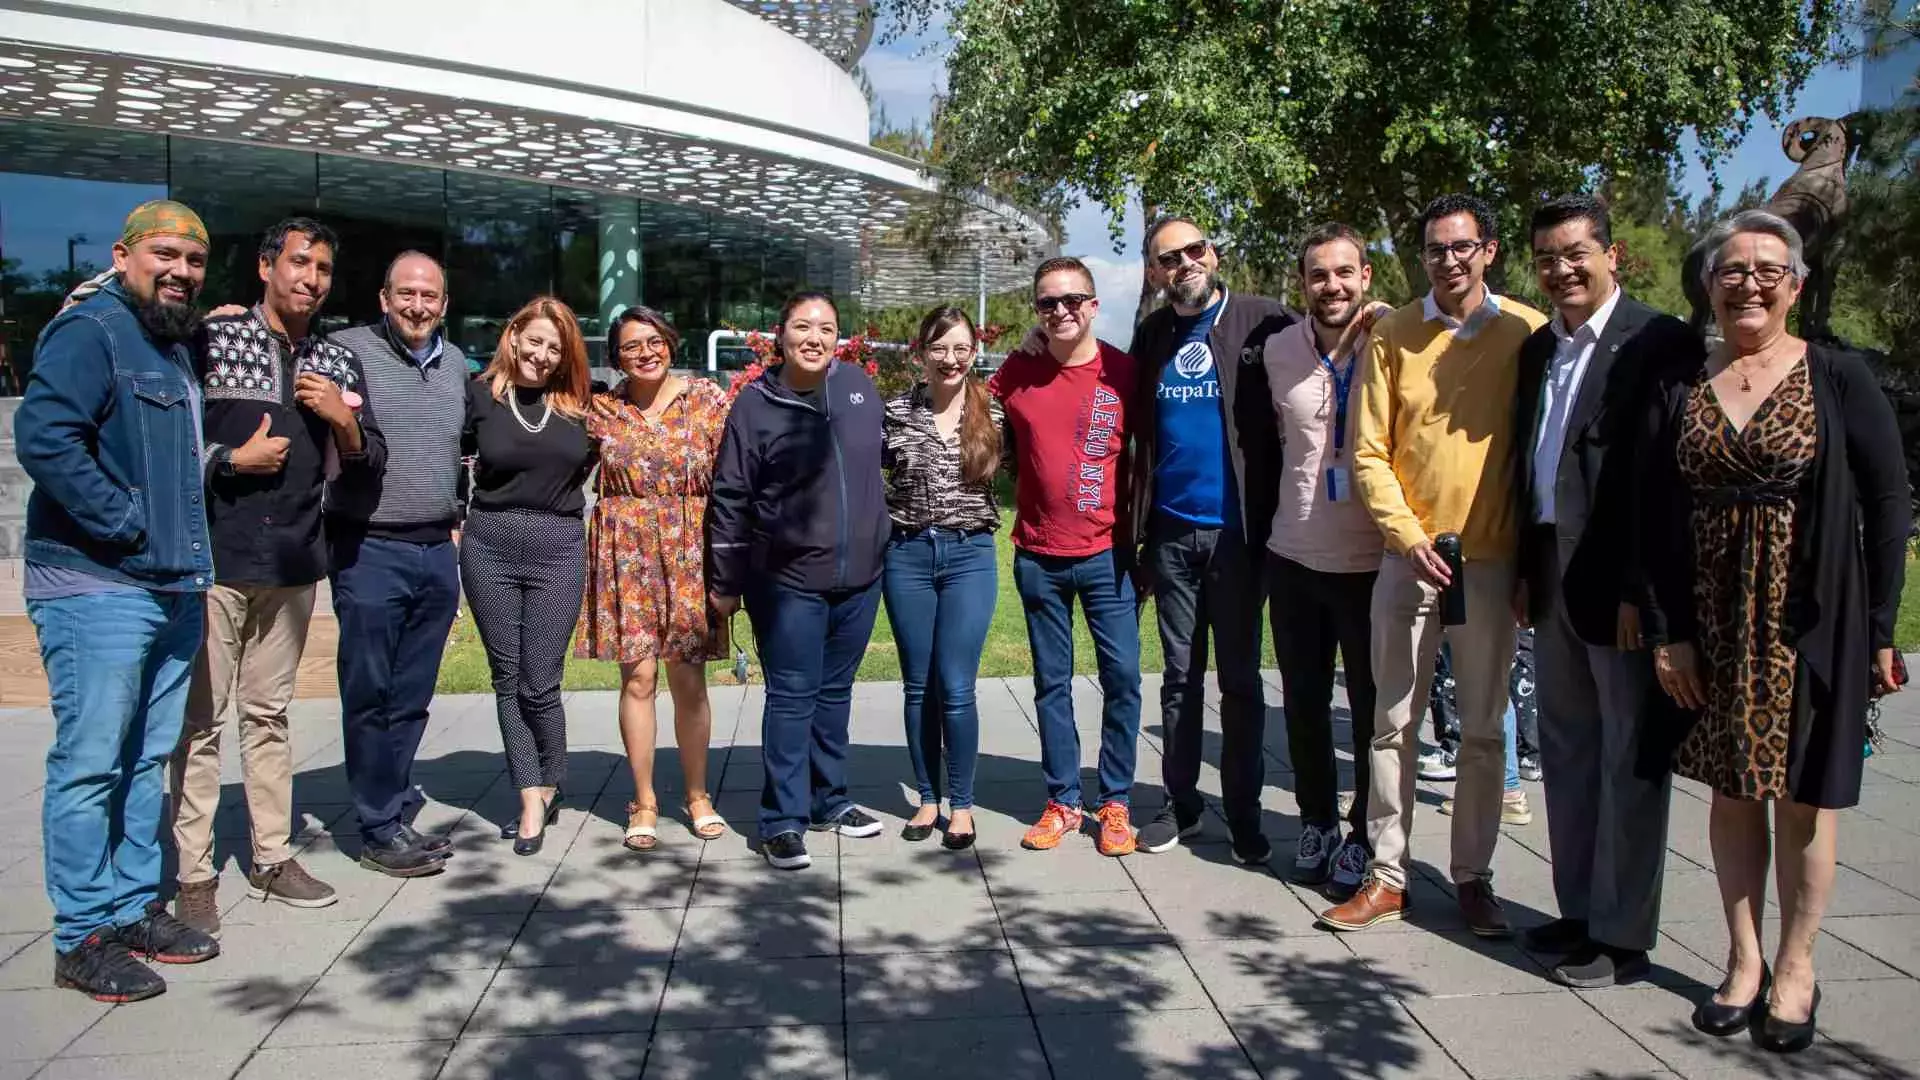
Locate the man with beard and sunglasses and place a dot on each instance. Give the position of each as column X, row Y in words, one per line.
column 1433, row 438
column 118, row 561
column 279, row 409
column 1203, row 490
column 1324, row 552
column 1582, row 381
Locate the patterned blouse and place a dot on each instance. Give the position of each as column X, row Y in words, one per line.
column 924, row 485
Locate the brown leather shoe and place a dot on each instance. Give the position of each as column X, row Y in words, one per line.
column 1375, row 902
column 1482, row 910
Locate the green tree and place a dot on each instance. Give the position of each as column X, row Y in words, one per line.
column 1262, row 117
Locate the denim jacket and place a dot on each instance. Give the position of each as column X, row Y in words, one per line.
column 107, row 432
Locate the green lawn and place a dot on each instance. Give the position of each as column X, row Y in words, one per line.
column 465, row 667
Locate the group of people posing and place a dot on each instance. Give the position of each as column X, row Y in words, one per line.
column 1705, row 542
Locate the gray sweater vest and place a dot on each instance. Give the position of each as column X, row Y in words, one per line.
column 422, row 412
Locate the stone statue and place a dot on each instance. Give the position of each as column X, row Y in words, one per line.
column 1814, row 199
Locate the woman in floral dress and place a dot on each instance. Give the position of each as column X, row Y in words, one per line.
column 646, row 598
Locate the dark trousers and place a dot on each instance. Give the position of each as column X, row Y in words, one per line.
column 1521, row 692
column 1048, row 585
column 810, row 646
column 1206, row 583
column 395, row 601
column 1314, row 613
column 940, row 586
column 524, row 573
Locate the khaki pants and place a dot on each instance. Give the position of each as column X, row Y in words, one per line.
column 250, row 661
column 1406, row 639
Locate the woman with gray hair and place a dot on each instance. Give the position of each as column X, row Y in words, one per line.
column 1771, row 552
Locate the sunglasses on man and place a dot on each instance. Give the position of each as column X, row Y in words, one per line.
column 1174, row 258
column 1072, row 301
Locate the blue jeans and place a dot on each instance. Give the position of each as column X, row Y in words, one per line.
column 1509, row 734
column 940, row 588
column 395, row 601
column 1048, row 585
column 810, row 646
column 117, row 665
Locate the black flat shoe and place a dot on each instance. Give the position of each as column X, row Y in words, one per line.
column 522, row 846
column 1784, row 1038
column 956, row 841
column 1723, row 1020
column 913, row 834
column 512, row 831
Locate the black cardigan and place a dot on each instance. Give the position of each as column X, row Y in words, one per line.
column 1852, row 517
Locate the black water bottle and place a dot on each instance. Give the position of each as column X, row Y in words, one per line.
column 1453, row 598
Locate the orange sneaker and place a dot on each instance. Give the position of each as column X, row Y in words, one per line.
column 1116, row 830
column 1056, row 824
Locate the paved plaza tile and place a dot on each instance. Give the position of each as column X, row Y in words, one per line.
column 892, row 960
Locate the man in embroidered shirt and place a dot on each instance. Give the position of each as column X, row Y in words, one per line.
column 1433, row 447
column 276, row 405
column 1580, row 381
column 1067, row 430
column 1324, row 553
column 1205, row 444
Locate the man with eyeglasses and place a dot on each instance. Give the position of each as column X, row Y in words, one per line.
column 1203, row 491
column 1433, row 456
column 1581, row 383
column 1067, row 425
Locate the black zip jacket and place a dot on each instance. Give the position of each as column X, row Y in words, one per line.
column 266, row 527
column 797, row 492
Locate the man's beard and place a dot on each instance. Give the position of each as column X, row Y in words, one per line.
column 168, row 322
column 1196, row 290
column 1340, row 321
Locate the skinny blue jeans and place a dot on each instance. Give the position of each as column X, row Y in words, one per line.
column 940, row 587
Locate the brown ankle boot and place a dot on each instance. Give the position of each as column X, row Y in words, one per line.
column 197, row 905
column 1482, row 910
column 1375, row 902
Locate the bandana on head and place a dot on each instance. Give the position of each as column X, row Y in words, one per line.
column 162, row 217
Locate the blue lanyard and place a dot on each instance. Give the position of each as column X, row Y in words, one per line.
column 1342, row 386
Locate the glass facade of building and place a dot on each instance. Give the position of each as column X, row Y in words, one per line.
column 64, row 191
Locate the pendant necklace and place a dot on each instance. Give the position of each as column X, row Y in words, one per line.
column 546, row 412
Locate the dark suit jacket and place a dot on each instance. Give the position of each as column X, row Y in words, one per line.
column 1238, row 340
column 1593, row 492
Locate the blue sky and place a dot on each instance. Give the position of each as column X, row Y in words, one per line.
column 906, row 74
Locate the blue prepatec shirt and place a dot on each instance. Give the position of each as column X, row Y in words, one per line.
column 1191, row 474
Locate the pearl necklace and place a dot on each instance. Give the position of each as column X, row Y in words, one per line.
column 546, row 412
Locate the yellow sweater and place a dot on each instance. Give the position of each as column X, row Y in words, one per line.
column 1433, row 429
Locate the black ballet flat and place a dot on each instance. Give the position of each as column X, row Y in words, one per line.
column 512, row 831
column 913, row 834
column 956, row 841
column 1723, row 1020
column 1782, row 1037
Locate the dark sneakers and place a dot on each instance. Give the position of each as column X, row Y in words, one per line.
column 787, row 851
column 197, row 904
column 160, row 936
column 852, row 821
column 1594, row 966
column 289, row 883
column 102, row 968
column 1166, row 830
column 1252, row 849
column 399, row 856
column 1559, row 936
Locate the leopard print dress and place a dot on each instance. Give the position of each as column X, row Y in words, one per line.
column 1743, row 484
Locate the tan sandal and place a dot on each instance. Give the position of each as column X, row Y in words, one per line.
column 642, row 835
column 708, row 826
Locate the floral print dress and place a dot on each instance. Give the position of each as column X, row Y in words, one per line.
column 646, row 594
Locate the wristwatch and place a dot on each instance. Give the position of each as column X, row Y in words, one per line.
column 222, row 460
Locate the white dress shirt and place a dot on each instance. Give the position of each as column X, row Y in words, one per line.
column 1466, row 328
column 1559, row 388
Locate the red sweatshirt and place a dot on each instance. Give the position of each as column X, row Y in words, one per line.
column 1067, row 428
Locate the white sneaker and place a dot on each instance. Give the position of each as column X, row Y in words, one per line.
column 1437, row 765
column 1349, row 866
column 1316, row 847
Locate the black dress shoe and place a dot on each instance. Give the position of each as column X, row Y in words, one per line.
column 530, row 845
column 913, row 834
column 1558, row 936
column 1723, row 1020
column 434, row 843
column 511, row 830
column 956, row 841
column 1594, row 965
column 397, row 856
column 1782, row 1037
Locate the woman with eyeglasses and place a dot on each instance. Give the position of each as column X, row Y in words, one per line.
column 520, row 554
column 942, row 450
column 798, row 529
column 1774, row 521
column 646, row 602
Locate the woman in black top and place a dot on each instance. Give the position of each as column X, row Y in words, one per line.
column 523, row 555
column 1774, row 523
